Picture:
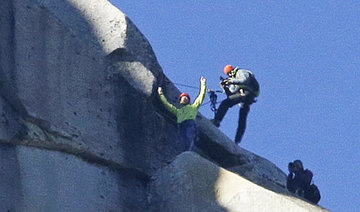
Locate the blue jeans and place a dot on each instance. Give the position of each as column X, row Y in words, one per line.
column 187, row 132
column 244, row 111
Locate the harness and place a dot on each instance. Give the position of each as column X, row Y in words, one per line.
column 213, row 100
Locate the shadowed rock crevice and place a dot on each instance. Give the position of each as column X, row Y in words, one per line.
column 216, row 152
column 37, row 133
column 140, row 127
column 120, row 55
column 138, row 45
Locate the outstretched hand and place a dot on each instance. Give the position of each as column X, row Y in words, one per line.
column 203, row 80
column 160, row 91
column 291, row 171
column 227, row 81
column 224, row 83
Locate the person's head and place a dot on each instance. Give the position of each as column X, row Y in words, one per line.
column 184, row 98
column 230, row 70
column 297, row 166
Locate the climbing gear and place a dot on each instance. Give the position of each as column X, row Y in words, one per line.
column 223, row 81
column 184, row 94
column 213, row 99
column 228, row 69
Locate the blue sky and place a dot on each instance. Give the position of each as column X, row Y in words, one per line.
column 305, row 54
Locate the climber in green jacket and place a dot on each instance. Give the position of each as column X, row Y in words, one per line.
column 186, row 115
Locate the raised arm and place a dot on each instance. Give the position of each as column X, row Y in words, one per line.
column 200, row 98
column 167, row 104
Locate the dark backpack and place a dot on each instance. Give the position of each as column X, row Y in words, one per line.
column 313, row 194
column 254, row 85
column 251, row 84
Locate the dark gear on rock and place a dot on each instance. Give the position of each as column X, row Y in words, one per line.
column 299, row 182
column 241, row 88
column 213, row 99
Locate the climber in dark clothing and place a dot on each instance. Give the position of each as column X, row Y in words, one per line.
column 240, row 87
column 299, row 182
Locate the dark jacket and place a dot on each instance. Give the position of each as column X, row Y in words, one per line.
column 300, row 182
column 244, row 79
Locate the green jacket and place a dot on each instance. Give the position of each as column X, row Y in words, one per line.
column 188, row 111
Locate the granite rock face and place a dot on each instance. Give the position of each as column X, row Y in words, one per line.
column 71, row 73
column 77, row 77
column 42, row 180
column 81, row 127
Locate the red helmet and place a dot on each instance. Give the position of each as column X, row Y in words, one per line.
column 184, row 94
column 228, row 68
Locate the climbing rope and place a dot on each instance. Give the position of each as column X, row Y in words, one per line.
column 180, row 84
column 212, row 95
column 188, row 86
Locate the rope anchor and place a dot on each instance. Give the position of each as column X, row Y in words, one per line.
column 213, row 99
